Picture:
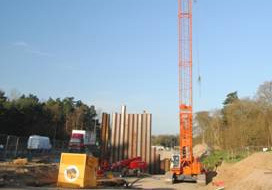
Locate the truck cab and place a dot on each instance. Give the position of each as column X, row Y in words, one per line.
column 76, row 143
column 81, row 141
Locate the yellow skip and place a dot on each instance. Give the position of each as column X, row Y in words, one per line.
column 77, row 170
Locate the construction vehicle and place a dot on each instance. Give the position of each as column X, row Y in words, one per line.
column 185, row 167
column 133, row 166
column 81, row 141
column 38, row 143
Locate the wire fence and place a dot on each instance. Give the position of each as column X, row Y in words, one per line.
column 242, row 152
column 13, row 147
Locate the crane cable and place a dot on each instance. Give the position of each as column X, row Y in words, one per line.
column 199, row 78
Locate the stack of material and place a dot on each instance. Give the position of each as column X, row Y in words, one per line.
column 155, row 162
column 164, row 166
column 131, row 137
column 105, row 129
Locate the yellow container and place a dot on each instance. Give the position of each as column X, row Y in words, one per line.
column 77, row 170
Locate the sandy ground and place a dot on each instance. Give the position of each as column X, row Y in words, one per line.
column 30, row 174
column 155, row 183
column 254, row 173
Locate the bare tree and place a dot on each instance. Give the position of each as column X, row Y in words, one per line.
column 264, row 97
column 264, row 93
column 203, row 121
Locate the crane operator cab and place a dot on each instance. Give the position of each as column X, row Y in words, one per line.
column 175, row 163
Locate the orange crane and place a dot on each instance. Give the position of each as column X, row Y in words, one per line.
column 184, row 166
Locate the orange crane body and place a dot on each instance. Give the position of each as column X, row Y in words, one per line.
column 186, row 163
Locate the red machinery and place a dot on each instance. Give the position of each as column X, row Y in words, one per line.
column 134, row 165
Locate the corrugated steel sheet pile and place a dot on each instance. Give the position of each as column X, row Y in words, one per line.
column 105, row 136
column 131, row 137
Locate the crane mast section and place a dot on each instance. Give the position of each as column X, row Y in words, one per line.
column 185, row 79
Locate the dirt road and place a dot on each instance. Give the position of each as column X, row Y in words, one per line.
column 158, row 182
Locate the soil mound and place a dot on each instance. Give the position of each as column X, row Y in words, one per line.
column 254, row 172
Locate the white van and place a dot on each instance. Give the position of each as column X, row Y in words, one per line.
column 36, row 142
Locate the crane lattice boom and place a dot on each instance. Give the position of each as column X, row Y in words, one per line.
column 185, row 78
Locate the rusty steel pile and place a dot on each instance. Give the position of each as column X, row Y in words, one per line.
column 129, row 137
column 105, row 135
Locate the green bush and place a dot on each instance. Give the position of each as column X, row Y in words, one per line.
column 214, row 159
column 217, row 157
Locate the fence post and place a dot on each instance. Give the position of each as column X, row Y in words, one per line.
column 16, row 148
column 6, row 146
column 62, row 146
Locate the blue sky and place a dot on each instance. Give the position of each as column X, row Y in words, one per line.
column 114, row 52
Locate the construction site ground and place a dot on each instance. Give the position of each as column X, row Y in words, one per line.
column 254, row 172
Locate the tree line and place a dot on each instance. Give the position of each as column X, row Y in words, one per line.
column 242, row 122
column 165, row 140
column 27, row 115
